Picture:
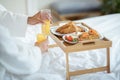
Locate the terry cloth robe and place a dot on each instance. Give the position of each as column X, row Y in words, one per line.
column 16, row 57
column 18, row 60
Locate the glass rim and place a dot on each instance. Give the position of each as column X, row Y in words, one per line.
column 45, row 10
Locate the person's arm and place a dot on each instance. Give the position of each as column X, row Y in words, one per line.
column 17, row 57
column 17, row 23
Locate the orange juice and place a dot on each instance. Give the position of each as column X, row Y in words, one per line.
column 46, row 27
column 45, row 16
column 41, row 38
column 45, row 32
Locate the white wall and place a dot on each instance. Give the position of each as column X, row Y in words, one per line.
column 17, row 6
column 45, row 3
column 29, row 7
column 36, row 5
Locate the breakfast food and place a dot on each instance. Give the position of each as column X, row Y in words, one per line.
column 69, row 28
column 91, row 34
column 71, row 38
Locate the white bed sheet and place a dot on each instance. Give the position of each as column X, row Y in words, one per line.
column 54, row 61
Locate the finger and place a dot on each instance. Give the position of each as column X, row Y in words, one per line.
column 39, row 20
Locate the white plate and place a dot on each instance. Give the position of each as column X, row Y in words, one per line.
column 70, row 42
column 85, row 28
column 100, row 36
column 53, row 30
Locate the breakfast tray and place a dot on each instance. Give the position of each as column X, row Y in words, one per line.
column 82, row 46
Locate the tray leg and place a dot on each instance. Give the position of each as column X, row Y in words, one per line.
column 67, row 67
column 108, row 60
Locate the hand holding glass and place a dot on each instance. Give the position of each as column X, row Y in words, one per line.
column 45, row 16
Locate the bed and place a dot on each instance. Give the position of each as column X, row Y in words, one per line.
column 54, row 61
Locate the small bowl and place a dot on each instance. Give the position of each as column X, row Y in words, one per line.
column 74, row 38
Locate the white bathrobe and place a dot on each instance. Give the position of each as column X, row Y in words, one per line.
column 16, row 57
column 18, row 60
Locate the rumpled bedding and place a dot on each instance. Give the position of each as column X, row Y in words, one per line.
column 53, row 63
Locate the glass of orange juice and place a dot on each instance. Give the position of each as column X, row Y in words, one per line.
column 41, row 37
column 45, row 26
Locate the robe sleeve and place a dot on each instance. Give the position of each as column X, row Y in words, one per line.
column 16, row 23
column 18, row 58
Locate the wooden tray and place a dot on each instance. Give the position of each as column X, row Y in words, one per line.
column 83, row 45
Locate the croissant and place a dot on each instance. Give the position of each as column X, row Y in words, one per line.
column 69, row 28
